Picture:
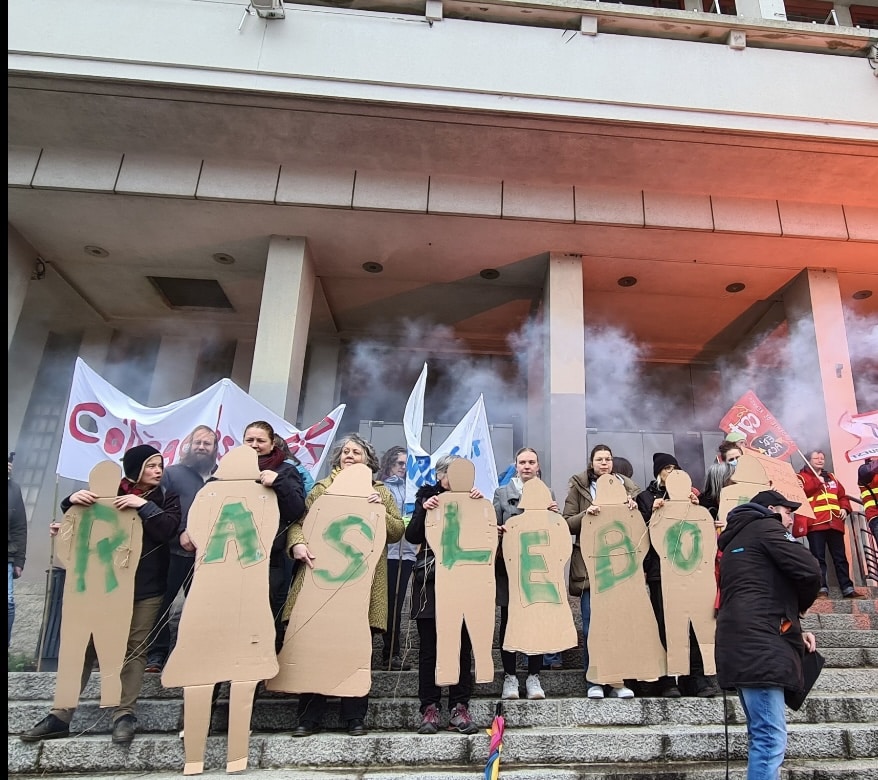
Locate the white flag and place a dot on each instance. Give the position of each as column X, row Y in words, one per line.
column 417, row 468
column 102, row 423
column 471, row 439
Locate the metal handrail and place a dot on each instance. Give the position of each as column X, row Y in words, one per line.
column 863, row 542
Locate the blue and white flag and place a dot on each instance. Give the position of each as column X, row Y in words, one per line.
column 417, row 469
column 471, row 439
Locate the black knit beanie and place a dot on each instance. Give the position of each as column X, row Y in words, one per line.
column 662, row 459
column 133, row 460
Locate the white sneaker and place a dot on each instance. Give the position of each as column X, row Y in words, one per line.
column 534, row 688
column 621, row 693
column 510, row 687
column 595, row 691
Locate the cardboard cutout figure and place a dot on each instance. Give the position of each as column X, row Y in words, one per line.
column 100, row 547
column 328, row 644
column 683, row 534
column 226, row 630
column 537, row 548
column 623, row 640
column 462, row 531
column 756, row 472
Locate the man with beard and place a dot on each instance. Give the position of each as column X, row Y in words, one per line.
column 186, row 478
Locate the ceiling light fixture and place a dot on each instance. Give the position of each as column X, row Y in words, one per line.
column 861, row 295
column 489, row 273
column 223, row 259
column 627, row 281
column 735, row 287
column 95, row 251
column 373, row 268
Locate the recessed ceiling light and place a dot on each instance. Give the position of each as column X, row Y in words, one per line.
column 735, row 287
column 223, row 259
column 95, row 251
column 627, row 281
column 373, row 268
column 861, row 295
column 489, row 273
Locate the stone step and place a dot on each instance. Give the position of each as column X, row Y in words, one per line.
column 40, row 686
column 793, row 769
column 402, row 714
column 521, row 748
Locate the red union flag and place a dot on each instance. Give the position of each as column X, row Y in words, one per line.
column 749, row 417
column 865, row 428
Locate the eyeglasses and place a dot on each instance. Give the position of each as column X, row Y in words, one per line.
column 400, row 463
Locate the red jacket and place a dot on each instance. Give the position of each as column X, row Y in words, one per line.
column 868, row 479
column 827, row 497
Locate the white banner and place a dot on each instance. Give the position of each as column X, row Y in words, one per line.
column 418, row 459
column 102, row 423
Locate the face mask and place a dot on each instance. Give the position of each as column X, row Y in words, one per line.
column 733, row 462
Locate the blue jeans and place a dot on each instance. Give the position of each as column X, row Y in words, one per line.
column 11, row 608
column 766, row 731
column 585, row 606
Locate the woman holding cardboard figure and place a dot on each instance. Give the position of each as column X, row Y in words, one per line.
column 424, row 612
column 349, row 451
column 506, row 498
column 282, row 476
column 579, row 503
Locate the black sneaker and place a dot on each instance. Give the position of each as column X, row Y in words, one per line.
column 461, row 721
column 356, row 727
column 429, row 720
column 123, row 730
column 49, row 727
column 396, row 664
column 306, row 728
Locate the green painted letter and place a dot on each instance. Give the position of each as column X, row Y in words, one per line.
column 621, row 551
column 235, row 524
column 678, row 538
column 452, row 552
column 532, row 564
column 334, row 536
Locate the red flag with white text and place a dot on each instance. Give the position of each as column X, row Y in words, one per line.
column 749, row 417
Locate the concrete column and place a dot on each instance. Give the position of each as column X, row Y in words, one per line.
column 20, row 259
column 174, row 372
column 843, row 14
column 319, row 392
column 284, row 319
column 813, row 300
column 565, row 370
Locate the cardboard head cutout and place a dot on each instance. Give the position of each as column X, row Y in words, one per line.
column 462, row 531
column 536, row 550
column 328, row 643
column 226, row 630
column 684, row 537
column 100, row 547
column 623, row 640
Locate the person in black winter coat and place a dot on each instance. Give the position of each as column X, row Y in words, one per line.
column 282, row 476
column 648, row 501
column 766, row 581
column 424, row 613
column 159, row 511
column 17, row 527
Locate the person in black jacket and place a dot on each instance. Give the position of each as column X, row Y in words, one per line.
column 649, row 500
column 159, row 511
column 17, row 527
column 282, row 476
column 197, row 462
column 766, row 582
column 424, row 613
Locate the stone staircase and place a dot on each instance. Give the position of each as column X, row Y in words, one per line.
column 564, row 737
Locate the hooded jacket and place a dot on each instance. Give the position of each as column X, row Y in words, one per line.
column 424, row 581
column 766, row 581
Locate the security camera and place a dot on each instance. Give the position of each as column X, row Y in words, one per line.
column 268, row 9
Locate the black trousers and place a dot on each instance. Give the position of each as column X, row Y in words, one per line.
column 312, row 707
column 179, row 576
column 430, row 693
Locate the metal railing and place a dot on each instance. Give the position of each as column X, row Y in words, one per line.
column 863, row 543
